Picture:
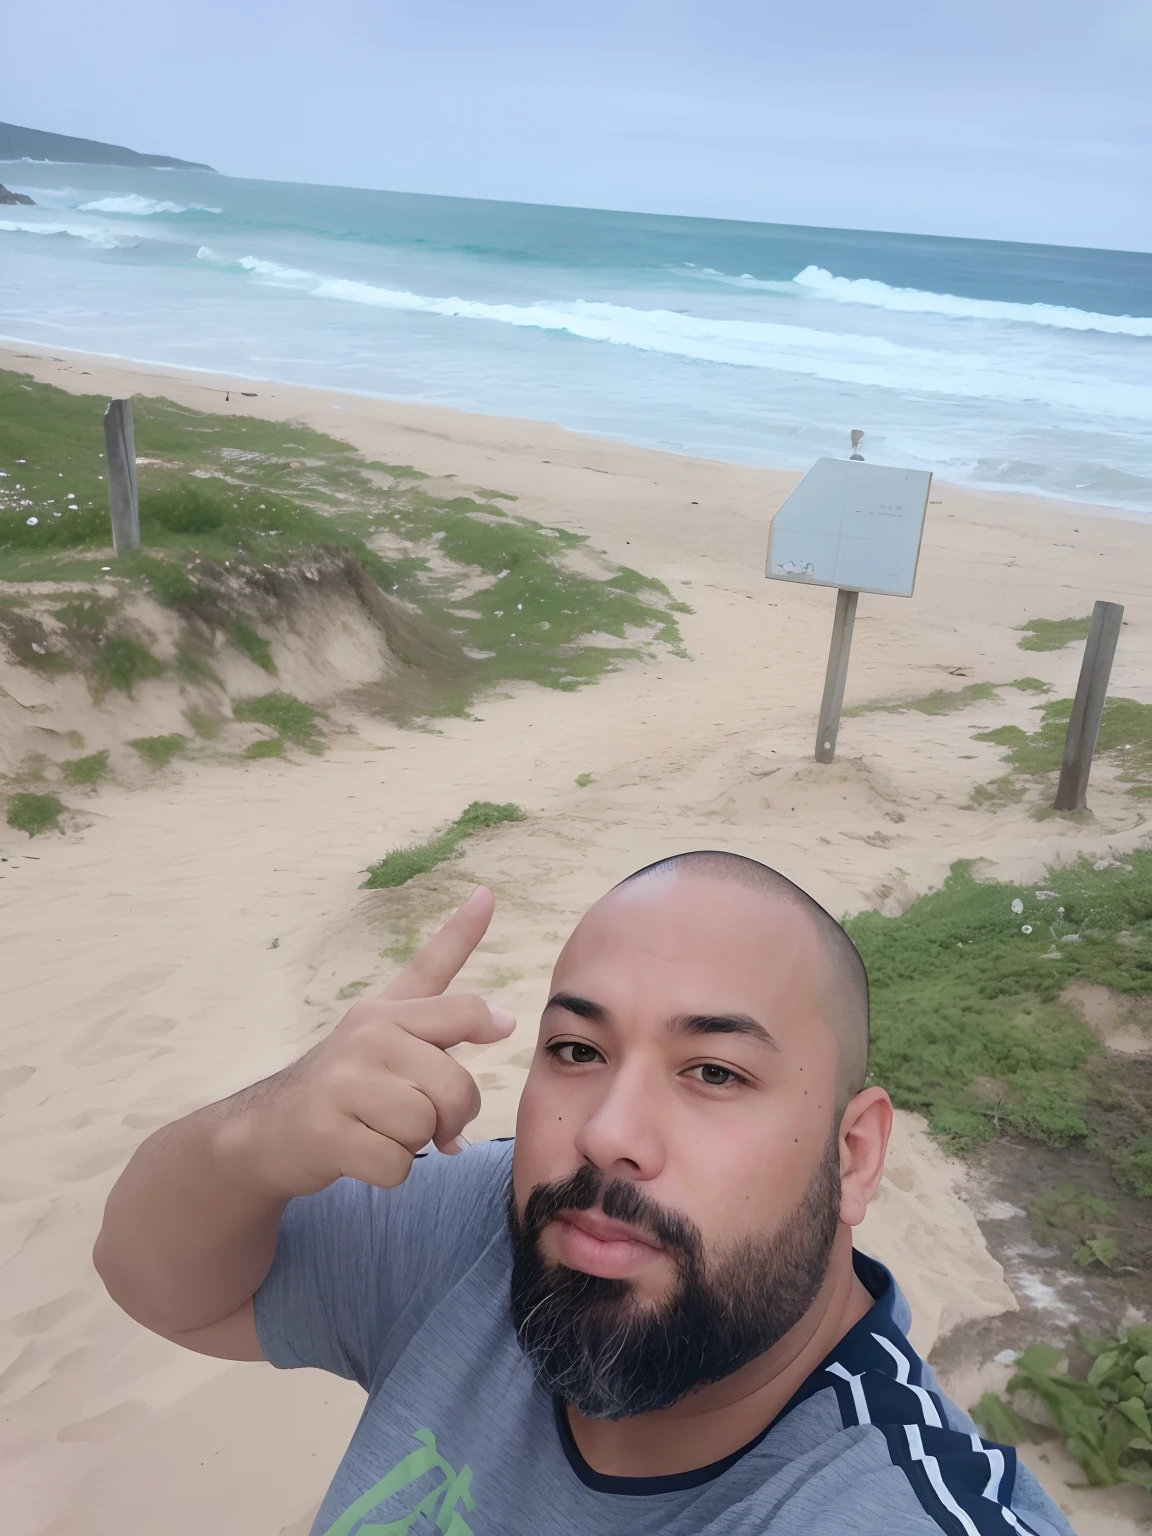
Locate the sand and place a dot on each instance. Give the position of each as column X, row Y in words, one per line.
column 197, row 934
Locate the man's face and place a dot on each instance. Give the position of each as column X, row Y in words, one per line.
column 675, row 1175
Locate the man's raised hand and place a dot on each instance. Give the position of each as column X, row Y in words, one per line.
column 364, row 1101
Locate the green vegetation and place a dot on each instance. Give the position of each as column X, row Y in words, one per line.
column 583, row 780
column 996, row 794
column 1067, row 1210
column 404, row 864
column 271, row 746
column 944, row 701
column 1133, row 1167
column 121, row 663
column 232, row 508
column 1052, row 634
column 205, row 725
column 160, row 750
column 34, row 813
column 293, row 721
column 353, row 989
column 968, row 1022
column 85, row 770
column 192, row 667
column 254, row 646
column 1102, row 1414
column 1125, row 740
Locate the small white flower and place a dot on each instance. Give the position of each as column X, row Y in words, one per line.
column 32, row 521
column 1017, row 906
column 1026, row 928
column 39, row 649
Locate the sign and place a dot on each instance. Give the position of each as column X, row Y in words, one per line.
column 853, row 525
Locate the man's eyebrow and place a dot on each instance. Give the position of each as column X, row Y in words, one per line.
column 721, row 1024
column 582, row 1007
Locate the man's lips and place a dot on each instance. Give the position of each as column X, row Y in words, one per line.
column 592, row 1242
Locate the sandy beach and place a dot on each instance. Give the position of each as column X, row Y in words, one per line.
column 198, row 933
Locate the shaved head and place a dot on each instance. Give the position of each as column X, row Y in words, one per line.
column 843, row 983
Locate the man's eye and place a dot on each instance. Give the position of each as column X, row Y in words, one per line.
column 715, row 1076
column 575, row 1052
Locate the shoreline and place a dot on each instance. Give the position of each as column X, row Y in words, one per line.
column 214, row 382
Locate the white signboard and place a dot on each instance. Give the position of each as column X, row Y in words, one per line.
column 853, row 525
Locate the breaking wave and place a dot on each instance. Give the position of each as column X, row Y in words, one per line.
column 805, row 350
column 866, row 290
column 105, row 239
column 133, row 202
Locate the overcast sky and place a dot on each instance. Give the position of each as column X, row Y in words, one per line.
column 1017, row 119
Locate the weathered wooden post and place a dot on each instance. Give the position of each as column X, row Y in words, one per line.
column 836, row 675
column 1091, row 692
column 120, row 447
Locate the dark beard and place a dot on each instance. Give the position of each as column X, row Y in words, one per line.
column 590, row 1342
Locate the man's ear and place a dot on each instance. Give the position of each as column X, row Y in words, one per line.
column 864, row 1131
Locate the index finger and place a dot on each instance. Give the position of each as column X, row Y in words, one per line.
column 436, row 963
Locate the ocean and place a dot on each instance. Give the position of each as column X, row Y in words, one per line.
column 997, row 365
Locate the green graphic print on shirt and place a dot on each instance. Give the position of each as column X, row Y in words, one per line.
column 450, row 1490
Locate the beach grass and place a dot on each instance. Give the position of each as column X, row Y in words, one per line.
column 1125, row 740
column 970, row 1023
column 1052, row 634
column 34, row 813
column 405, row 863
column 944, row 701
column 87, row 771
column 294, row 722
column 158, row 751
column 224, row 495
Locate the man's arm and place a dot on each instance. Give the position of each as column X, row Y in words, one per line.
column 190, row 1227
column 189, row 1236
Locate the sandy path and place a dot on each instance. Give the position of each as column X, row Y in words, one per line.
column 141, row 977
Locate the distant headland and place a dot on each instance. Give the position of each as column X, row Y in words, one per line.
column 32, row 144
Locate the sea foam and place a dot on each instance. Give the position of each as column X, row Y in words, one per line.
column 106, row 239
column 133, row 202
column 845, row 358
column 866, row 290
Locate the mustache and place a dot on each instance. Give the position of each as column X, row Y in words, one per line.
column 620, row 1200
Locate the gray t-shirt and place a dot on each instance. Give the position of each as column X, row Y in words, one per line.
column 406, row 1292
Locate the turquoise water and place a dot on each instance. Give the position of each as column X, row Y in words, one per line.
column 997, row 365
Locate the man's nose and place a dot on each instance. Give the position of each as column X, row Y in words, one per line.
column 622, row 1136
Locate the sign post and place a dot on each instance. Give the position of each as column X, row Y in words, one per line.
column 836, row 675
column 856, row 527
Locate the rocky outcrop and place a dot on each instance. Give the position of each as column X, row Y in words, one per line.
column 14, row 197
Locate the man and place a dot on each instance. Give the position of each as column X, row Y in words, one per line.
column 646, row 1315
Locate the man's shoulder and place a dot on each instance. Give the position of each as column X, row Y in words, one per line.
column 919, row 1463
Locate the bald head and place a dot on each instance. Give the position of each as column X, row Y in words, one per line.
column 842, row 984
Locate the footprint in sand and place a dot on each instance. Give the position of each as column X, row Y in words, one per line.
column 113, row 1421
column 40, row 1319
column 14, row 1077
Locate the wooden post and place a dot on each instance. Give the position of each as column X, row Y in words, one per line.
column 837, row 674
column 1091, row 691
column 120, row 447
